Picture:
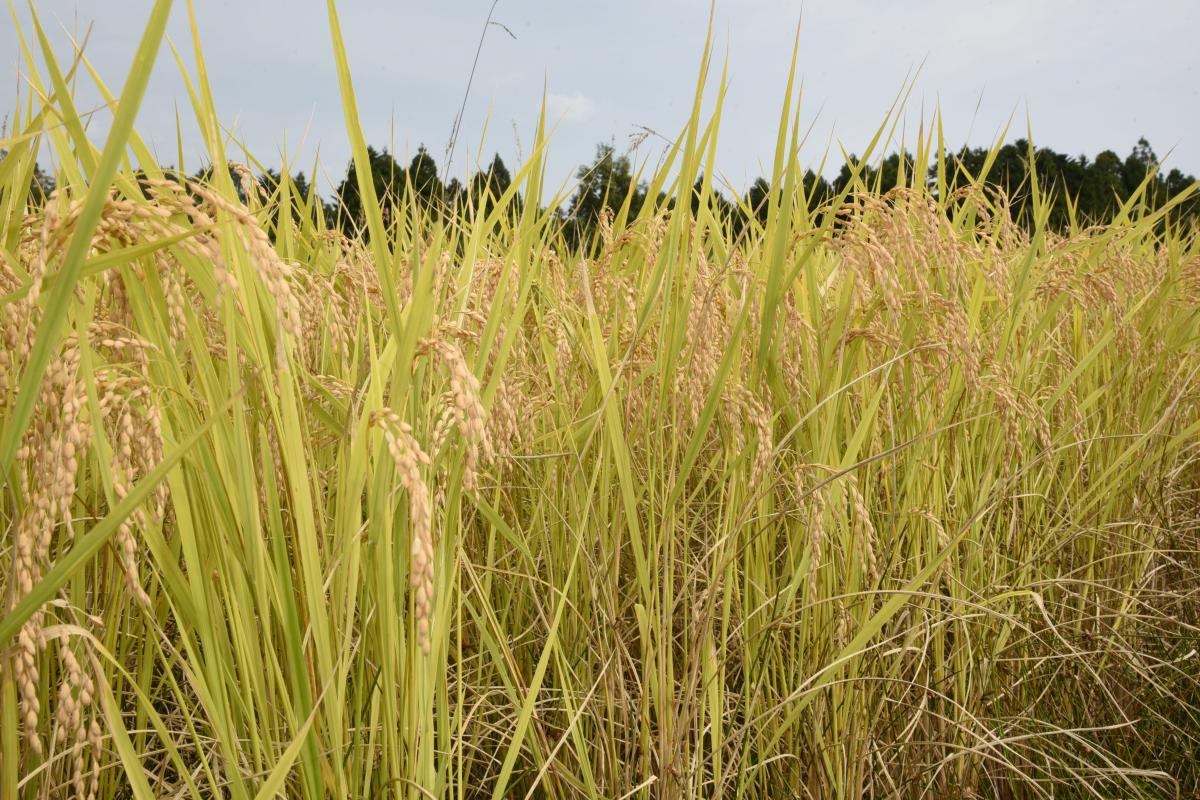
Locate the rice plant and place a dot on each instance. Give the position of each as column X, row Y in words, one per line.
column 894, row 498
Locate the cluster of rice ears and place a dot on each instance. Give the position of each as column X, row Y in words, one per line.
column 891, row 500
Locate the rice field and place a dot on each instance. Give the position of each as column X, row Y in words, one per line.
column 890, row 499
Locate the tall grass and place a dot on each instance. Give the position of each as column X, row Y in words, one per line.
column 894, row 499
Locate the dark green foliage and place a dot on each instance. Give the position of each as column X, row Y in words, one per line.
column 486, row 187
column 1098, row 187
column 392, row 182
column 423, row 181
column 1090, row 191
column 41, row 184
column 302, row 198
column 604, row 184
column 388, row 179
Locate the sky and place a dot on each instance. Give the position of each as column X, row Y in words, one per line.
column 1086, row 75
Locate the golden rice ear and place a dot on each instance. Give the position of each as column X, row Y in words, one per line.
column 466, row 410
column 408, row 458
column 865, row 530
column 75, row 719
column 274, row 272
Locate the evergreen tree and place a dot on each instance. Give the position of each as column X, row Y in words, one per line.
column 423, row 179
column 488, row 185
column 604, row 184
column 387, row 177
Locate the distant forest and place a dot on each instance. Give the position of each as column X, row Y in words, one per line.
column 1082, row 190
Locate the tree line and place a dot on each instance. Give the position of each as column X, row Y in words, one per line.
column 1087, row 190
column 1080, row 189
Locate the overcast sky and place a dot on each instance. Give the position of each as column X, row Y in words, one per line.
column 1092, row 74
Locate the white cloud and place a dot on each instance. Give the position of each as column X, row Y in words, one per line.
column 570, row 107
